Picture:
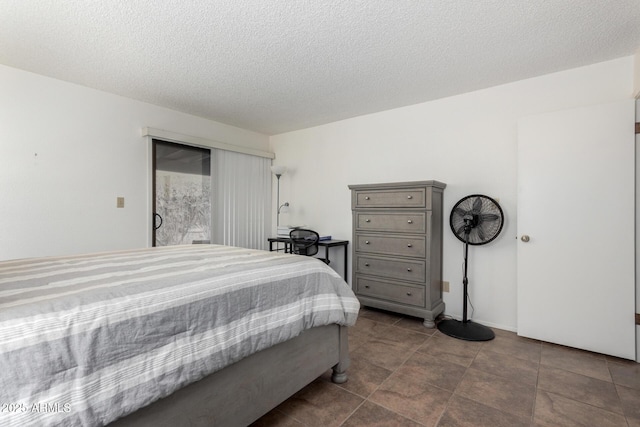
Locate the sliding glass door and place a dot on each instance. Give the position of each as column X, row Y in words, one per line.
column 181, row 194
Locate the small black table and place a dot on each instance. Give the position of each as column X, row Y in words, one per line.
column 326, row 244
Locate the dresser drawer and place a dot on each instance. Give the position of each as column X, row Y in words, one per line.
column 411, row 246
column 401, row 222
column 413, row 295
column 393, row 268
column 400, row 198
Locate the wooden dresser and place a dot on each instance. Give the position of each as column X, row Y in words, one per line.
column 397, row 247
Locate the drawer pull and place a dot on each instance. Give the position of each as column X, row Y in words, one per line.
column 408, row 294
column 366, row 286
column 409, row 222
column 366, row 242
column 409, row 269
column 409, row 197
column 366, row 264
column 366, row 197
column 409, row 245
column 367, row 220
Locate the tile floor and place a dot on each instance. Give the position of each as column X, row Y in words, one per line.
column 403, row 374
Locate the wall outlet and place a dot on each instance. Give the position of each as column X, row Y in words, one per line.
column 120, row 202
column 445, row 286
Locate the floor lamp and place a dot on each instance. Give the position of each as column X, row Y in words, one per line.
column 278, row 171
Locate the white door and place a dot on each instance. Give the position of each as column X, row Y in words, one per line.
column 576, row 206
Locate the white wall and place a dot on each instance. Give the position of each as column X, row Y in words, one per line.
column 67, row 152
column 636, row 74
column 466, row 141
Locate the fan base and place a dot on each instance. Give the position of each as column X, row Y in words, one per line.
column 468, row 330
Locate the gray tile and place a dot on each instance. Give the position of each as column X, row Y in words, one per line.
column 626, row 374
column 381, row 316
column 321, row 404
column 506, row 366
column 578, row 387
column 463, row 412
column 402, row 376
column 577, row 361
column 366, row 328
column 434, row 371
column 510, row 344
column 390, row 347
column 553, row 410
column 372, row 415
column 451, row 349
column 630, row 399
column 412, row 398
column 497, row 392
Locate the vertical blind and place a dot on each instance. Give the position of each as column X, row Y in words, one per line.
column 241, row 199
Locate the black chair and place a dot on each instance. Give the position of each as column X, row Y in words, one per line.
column 305, row 242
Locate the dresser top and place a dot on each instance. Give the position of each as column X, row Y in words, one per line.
column 409, row 184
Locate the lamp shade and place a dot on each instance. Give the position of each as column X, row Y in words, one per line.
column 278, row 170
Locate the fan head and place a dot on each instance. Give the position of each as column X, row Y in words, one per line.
column 476, row 219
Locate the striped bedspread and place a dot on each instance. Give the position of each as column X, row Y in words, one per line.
column 87, row 339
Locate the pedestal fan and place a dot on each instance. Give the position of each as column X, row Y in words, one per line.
column 475, row 220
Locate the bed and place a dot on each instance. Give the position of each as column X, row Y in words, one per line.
column 182, row 335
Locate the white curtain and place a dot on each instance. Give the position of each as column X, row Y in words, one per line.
column 241, row 200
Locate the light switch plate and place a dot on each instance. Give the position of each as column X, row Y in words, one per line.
column 120, row 202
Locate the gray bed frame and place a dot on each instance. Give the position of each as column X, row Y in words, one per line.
column 243, row 392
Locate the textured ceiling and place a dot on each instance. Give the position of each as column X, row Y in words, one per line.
column 278, row 65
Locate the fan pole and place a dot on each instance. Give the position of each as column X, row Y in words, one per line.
column 465, row 330
column 465, row 280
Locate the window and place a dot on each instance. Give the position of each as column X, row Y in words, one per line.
column 210, row 195
column 182, row 194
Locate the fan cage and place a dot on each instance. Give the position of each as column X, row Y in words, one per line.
column 487, row 217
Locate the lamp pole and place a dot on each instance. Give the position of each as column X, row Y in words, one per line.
column 278, row 175
column 278, row 171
